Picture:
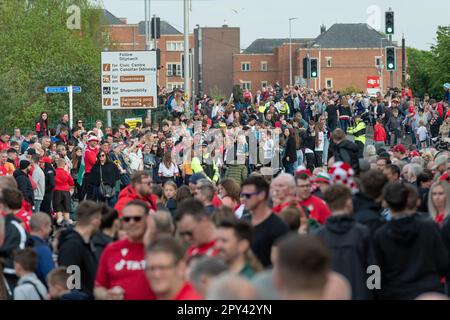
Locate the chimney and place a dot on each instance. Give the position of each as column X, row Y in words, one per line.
column 124, row 20
column 323, row 29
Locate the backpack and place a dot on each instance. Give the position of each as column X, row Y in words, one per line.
column 169, row 102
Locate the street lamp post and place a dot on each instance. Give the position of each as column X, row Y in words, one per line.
column 290, row 51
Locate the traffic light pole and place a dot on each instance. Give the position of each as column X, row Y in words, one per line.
column 309, row 70
column 391, row 73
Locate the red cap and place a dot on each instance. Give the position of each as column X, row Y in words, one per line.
column 45, row 160
column 399, row 148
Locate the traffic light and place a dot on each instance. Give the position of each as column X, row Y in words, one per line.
column 305, row 67
column 314, row 70
column 391, row 61
column 389, row 22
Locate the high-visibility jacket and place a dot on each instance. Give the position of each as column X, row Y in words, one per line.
column 284, row 108
column 211, row 171
column 359, row 132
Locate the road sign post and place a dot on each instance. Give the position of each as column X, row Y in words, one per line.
column 65, row 89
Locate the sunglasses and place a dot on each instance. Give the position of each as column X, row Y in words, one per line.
column 249, row 195
column 102, row 156
column 135, row 219
column 186, row 233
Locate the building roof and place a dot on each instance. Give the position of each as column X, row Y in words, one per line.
column 268, row 45
column 166, row 28
column 109, row 19
column 351, row 35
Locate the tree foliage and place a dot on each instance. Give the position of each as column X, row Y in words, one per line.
column 429, row 70
column 38, row 50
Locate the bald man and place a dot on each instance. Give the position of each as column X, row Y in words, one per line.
column 282, row 191
column 231, row 287
column 40, row 229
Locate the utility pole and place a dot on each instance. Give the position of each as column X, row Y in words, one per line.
column 187, row 78
column 290, row 51
column 147, row 39
column 403, row 61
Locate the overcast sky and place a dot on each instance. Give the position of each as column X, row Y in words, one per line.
column 416, row 19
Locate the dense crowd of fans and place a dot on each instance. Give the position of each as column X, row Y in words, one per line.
column 281, row 193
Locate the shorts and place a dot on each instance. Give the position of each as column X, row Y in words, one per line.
column 61, row 201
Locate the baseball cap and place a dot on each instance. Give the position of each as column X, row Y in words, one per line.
column 399, row 148
column 196, row 177
column 114, row 145
column 93, row 138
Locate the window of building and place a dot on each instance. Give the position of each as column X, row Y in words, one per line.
column 247, row 85
column 264, row 84
column 175, row 46
column 174, row 85
column 263, row 65
column 174, row 69
column 378, row 61
column 329, row 83
column 328, row 62
column 245, row 66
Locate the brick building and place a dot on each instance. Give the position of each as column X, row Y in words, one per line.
column 124, row 36
column 213, row 59
column 211, row 51
column 347, row 55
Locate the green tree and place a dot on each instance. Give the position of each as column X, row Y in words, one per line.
column 38, row 50
column 429, row 70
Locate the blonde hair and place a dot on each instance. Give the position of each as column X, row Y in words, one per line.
column 431, row 207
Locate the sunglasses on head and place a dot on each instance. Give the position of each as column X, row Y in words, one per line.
column 135, row 219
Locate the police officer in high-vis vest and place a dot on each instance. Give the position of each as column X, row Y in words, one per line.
column 208, row 165
column 359, row 132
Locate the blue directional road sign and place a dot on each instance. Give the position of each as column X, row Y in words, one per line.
column 63, row 89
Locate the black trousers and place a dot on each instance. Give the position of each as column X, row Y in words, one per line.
column 46, row 205
column 360, row 146
column 310, row 161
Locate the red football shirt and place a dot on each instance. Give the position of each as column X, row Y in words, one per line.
column 204, row 250
column 123, row 264
column 318, row 208
column 25, row 216
column 187, row 292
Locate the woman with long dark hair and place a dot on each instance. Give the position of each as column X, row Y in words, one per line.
column 168, row 170
column 104, row 172
column 290, row 153
column 42, row 129
column 77, row 159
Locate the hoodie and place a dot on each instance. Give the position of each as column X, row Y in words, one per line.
column 24, row 185
column 411, row 256
column 100, row 241
column 349, row 242
column 379, row 133
column 129, row 194
column 347, row 151
column 72, row 250
column 367, row 212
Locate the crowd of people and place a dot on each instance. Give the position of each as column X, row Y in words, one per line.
column 284, row 193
